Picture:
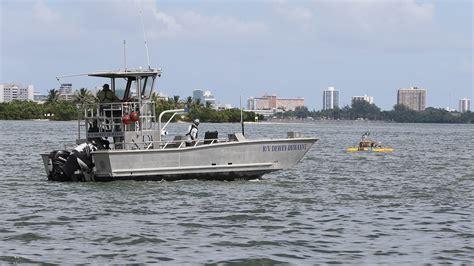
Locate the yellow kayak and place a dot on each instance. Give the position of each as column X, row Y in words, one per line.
column 352, row 149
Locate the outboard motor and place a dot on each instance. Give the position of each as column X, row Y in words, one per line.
column 76, row 165
column 80, row 159
column 57, row 159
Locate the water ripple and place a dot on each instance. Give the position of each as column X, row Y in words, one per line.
column 410, row 207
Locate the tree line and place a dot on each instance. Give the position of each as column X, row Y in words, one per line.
column 54, row 108
column 360, row 109
column 203, row 111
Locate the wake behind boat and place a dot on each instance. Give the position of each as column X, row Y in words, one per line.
column 124, row 140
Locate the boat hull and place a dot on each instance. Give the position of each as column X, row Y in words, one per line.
column 212, row 176
column 249, row 159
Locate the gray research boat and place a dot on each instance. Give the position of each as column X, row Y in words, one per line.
column 124, row 140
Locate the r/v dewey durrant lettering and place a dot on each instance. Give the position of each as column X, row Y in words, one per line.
column 280, row 148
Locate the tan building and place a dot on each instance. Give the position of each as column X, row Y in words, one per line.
column 266, row 102
column 413, row 98
column 271, row 102
column 290, row 104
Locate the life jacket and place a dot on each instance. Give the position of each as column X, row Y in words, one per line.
column 191, row 129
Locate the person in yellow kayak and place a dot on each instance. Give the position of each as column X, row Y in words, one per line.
column 366, row 144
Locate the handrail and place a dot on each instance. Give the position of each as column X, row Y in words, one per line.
column 175, row 111
column 108, row 116
column 164, row 144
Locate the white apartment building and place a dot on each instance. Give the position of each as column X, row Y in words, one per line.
column 65, row 92
column 39, row 97
column 11, row 91
column 464, row 105
column 366, row 98
column 330, row 98
column 204, row 97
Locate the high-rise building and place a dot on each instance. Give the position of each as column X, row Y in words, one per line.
column 265, row 102
column 271, row 102
column 65, row 92
column 413, row 98
column 330, row 98
column 464, row 105
column 288, row 104
column 204, row 97
column 366, row 98
column 39, row 97
column 10, row 92
column 162, row 96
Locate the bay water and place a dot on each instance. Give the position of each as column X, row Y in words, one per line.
column 414, row 205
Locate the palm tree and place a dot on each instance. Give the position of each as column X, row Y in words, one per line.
column 176, row 100
column 189, row 101
column 154, row 97
column 53, row 97
column 83, row 96
column 198, row 102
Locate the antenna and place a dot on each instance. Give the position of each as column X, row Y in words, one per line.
column 242, row 117
column 124, row 56
column 144, row 36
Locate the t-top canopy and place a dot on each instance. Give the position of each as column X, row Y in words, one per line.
column 127, row 73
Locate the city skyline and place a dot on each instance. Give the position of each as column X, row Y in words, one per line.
column 371, row 48
column 413, row 97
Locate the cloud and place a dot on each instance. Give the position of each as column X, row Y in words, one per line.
column 391, row 16
column 167, row 24
column 379, row 22
column 91, row 26
column 43, row 13
column 299, row 15
column 360, row 15
column 219, row 24
column 191, row 24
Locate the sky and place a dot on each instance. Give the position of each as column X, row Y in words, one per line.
column 248, row 48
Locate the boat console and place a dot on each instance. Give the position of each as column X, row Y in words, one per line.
column 130, row 122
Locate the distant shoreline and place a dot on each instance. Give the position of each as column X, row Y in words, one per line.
column 272, row 122
column 358, row 111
